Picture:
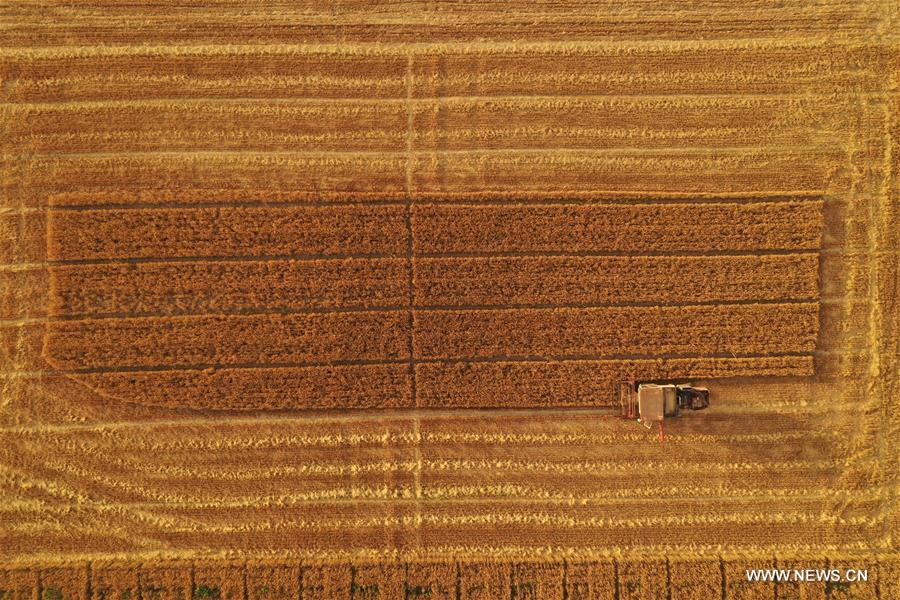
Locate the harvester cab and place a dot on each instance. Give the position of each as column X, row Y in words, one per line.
column 692, row 398
column 652, row 402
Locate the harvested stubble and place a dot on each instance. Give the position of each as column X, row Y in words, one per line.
column 216, row 217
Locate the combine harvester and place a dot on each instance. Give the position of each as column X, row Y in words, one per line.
column 651, row 402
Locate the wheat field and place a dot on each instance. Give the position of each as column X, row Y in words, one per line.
column 305, row 300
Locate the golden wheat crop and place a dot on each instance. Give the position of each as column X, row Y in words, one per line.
column 259, row 262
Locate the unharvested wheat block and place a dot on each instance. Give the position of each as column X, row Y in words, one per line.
column 576, row 382
column 800, row 590
column 854, row 590
column 218, row 580
column 272, row 580
column 889, row 577
column 218, row 287
column 113, row 580
column 566, row 280
column 379, row 580
column 226, row 232
column 642, row 579
column 19, row 584
column 427, row 580
column 693, row 579
column 737, row 584
column 636, row 228
column 484, row 581
column 65, row 582
column 609, row 332
column 161, row 580
column 323, row 582
column 593, row 580
column 224, row 340
column 538, row 580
